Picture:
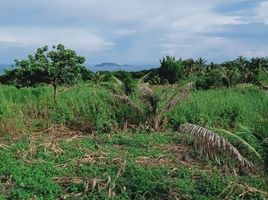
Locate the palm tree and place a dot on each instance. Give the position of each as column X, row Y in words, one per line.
column 214, row 144
column 189, row 67
column 200, row 64
column 257, row 65
column 98, row 78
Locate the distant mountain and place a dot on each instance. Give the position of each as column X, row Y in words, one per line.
column 107, row 64
column 110, row 66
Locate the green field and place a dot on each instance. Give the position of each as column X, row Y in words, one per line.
column 87, row 145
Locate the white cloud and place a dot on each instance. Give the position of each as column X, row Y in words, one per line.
column 262, row 12
column 145, row 29
column 83, row 39
column 124, row 32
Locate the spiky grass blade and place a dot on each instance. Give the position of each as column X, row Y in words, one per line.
column 213, row 144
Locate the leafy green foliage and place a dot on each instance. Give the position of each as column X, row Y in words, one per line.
column 30, row 169
column 59, row 66
column 225, row 109
column 171, row 69
column 129, row 84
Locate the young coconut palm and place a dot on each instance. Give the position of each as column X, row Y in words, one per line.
column 211, row 143
column 178, row 97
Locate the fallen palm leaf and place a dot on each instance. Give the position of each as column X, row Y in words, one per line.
column 250, row 149
column 212, row 144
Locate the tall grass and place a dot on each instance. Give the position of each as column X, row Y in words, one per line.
column 89, row 107
column 225, row 109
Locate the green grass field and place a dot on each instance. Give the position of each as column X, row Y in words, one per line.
column 80, row 148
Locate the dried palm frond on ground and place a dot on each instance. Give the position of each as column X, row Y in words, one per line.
column 240, row 142
column 58, row 130
column 213, row 145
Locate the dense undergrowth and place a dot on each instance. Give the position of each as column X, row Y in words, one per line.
column 92, row 107
column 119, row 166
column 88, row 145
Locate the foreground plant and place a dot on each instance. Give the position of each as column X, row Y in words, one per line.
column 215, row 146
column 157, row 118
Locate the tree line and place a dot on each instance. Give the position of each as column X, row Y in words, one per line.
column 61, row 66
column 209, row 75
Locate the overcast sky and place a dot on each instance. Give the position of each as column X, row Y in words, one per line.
column 135, row 31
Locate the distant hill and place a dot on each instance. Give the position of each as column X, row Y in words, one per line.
column 110, row 66
column 107, row 64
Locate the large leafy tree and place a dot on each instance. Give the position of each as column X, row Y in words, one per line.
column 60, row 66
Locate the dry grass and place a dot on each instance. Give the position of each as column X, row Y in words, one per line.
column 241, row 191
column 92, row 184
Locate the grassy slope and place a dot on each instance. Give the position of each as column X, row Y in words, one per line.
column 58, row 162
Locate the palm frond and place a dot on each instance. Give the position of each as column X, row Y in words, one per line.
column 125, row 99
column 240, row 142
column 213, row 144
column 147, row 95
column 119, row 82
column 178, row 97
column 142, row 79
column 175, row 100
column 144, row 89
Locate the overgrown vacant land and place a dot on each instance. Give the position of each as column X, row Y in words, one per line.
column 88, row 145
column 186, row 130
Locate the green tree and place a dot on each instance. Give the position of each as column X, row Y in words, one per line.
column 200, row 64
column 171, row 69
column 189, row 67
column 230, row 73
column 60, row 66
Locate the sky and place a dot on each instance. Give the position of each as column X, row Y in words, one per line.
column 135, row 31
